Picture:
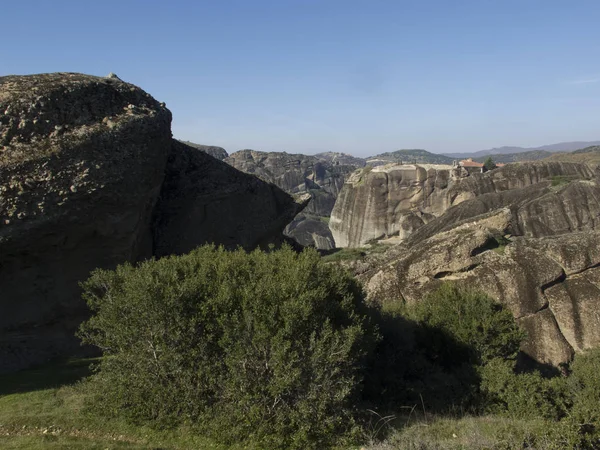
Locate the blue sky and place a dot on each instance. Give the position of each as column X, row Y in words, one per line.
column 361, row 77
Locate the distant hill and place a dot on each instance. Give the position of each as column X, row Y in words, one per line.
column 532, row 155
column 589, row 155
column 410, row 156
column 560, row 147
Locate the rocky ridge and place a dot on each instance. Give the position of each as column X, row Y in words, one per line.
column 525, row 235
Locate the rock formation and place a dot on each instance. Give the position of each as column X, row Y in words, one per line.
column 82, row 166
column 320, row 176
column 216, row 152
column 399, row 199
column 205, row 200
column 551, row 284
column 521, row 235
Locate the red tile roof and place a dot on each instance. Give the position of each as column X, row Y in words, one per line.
column 470, row 163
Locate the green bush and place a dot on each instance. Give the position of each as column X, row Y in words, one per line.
column 431, row 351
column 522, row 395
column 585, row 388
column 265, row 346
column 480, row 325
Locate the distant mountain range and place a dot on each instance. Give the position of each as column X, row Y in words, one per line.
column 589, row 151
column 560, row 147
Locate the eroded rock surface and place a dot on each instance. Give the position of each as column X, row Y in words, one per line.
column 216, row 152
column 401, row 199
column 551, row 284
column 83, row 162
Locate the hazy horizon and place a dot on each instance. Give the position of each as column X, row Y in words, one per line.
column 313, row 152
column 348, row 76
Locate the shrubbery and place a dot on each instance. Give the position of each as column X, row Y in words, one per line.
column 280, row 348
column 263, row 345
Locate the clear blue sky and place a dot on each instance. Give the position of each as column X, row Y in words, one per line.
column 312, row 75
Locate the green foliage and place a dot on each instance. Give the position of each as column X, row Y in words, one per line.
column 489, row 163
column 562, row 180
column 480, row 325
column 585, row 385
column 262, row 345
column 523, row 395
column 431, row 351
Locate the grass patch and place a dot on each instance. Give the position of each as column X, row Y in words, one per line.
column 562, row 180
column 472, row 432
column 353, row 254
column 42, row 408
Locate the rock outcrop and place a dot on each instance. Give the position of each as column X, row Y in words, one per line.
column 82, row 166
column 216, row 152
column 525, row 235
column 551, row 284
column 399, row 199
column 205, row 200
column 320, row 176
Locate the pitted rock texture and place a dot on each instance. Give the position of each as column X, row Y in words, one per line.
column 551, row 284
column 82, row 164
column 321, row 176
column 402, row 200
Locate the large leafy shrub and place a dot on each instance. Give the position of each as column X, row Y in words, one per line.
column 269, row 346
column 481, row 326
column 585, row 387
column 432, row 351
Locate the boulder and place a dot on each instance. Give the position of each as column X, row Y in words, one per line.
column 81, row 166
column 90, row 177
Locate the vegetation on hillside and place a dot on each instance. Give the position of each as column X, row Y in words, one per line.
column 413, row 156
column 280, row 350
column 266, row 346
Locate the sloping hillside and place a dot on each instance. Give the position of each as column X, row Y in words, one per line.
column 411, row 156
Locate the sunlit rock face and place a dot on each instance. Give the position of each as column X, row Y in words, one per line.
column 397, row 200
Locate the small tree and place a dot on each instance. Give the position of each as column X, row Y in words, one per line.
column 489, row 163
column 262, row 345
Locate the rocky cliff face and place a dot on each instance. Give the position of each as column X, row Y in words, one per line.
column 550, row 284
column 82, row 166
column 399, row 199
column 321, row 177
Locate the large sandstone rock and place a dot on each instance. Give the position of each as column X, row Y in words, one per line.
column 322, row 176
column 83, row 162
column 389, row 200
column 401, row 199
